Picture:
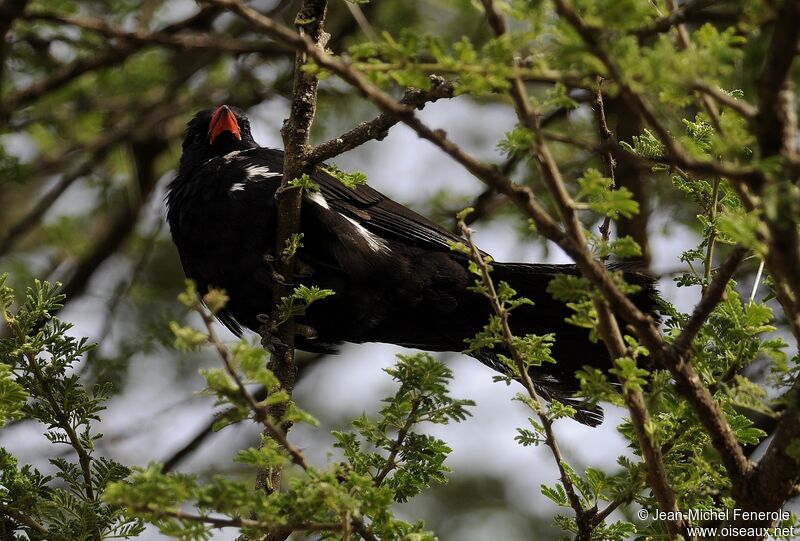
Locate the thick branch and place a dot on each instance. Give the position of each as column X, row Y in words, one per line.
column 777, row 65
column 775, row 113
column 295, row 133
column 777, row 473
column 606, row 142
column 379, row 126
column 641, row 420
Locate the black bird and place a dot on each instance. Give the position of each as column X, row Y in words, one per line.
column 395, row 278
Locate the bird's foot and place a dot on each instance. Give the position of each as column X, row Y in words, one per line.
column 302, row 269
column 269, row 340
column 306, row 331
column 276, row 276
column 279, row 279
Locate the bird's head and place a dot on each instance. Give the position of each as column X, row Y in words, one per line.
column 215, row 132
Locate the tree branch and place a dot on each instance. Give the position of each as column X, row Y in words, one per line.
column 775, row 113
column 261, row 413
column 239, row 522
column 608, row 326
column 521, row 195
column 379, row 126
column 776, row 476
column 114, row 55
column 207, row 430
column 265, row 417
column 606, row 142
column 309, row 20
column 64, row 420
column 641, row 420
column 179, row 40
column 768, row 124
column 397, row 444
column 711, row 298
column 28, row 521
column 688, row 11
column 583, row 517
column 739, row 105
column 689, row 383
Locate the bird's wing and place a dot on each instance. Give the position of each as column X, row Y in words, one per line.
column 383, row 216
column 367, row 207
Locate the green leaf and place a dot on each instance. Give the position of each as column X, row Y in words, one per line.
column 557, row 494
column 305, row 182
column 597, row 193
column 12, row 396
column 187, row 338
column 351, row 180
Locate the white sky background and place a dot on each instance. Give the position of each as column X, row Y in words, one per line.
column 409, row 170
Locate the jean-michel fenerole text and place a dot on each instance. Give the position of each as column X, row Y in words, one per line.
column 723, row 515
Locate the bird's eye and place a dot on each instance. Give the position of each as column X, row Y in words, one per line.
column 198, row 138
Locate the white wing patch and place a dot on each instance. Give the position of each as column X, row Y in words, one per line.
column 375, row 242
column 316, row 197
column 253, row 172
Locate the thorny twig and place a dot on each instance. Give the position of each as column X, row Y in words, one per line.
column 28, row 521
column 262, row 414
column 64, row 419
column 240, row 522
column 582, row 516
column 606, row 139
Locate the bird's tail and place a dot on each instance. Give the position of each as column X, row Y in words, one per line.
column 573, row 347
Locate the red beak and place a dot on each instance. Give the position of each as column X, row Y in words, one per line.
column 222, row 121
